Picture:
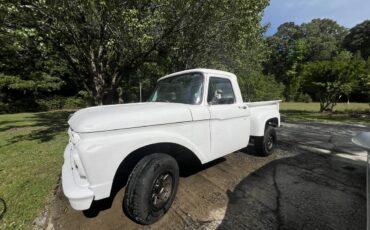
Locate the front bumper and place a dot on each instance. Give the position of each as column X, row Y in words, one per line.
column 80, row 196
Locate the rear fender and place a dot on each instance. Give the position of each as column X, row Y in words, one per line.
column 258, row 122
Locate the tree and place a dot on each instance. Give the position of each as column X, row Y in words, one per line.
column 364, row 82
column 106, row 43
column 258, row 87
column 288, row 51
column 292, row 45
column 358, row 39
column 280, row 46
column 296, row 57
column 324, row 38
column 27, row 69
column 328, row 80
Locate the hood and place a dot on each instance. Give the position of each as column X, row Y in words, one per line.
column 122, row 116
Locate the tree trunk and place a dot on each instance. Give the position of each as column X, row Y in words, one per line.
column 120, row 96
column 114, row 93
column 325, row 105
column 98, row 89
column 98, row 78
column 112, row 96
column 321, row 106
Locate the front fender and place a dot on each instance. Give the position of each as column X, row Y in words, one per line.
column 102, row 154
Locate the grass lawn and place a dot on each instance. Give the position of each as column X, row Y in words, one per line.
column 343, row 112
column 31, row 156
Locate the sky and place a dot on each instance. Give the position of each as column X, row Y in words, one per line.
column 347, row 13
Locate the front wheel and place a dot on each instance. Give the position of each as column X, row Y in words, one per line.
column 151, row 188
column 265, row 145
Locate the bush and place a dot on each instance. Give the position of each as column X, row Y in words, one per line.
column 27, row 104
column 58, row 102
column 4, row 107
column 303, row 97
column 260, row 87
column 74, row 103
column 51, row 103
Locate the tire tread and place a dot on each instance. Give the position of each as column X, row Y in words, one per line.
column 133, row 190
column 259, row 142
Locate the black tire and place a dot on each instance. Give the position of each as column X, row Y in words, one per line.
column 264, row 146
column 151, row 188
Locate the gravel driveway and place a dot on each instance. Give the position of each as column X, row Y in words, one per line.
column 316, row 179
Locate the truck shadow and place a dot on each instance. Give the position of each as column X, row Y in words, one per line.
column 306, row 191
column 357, row 116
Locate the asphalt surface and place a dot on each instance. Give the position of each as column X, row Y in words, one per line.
column 316, row 179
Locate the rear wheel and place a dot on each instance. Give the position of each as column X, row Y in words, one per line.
column 151, row 188
column 265, row 145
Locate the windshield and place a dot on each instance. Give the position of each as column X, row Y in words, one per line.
column 185, row 88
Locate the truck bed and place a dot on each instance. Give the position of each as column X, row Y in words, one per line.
column 261, row 112
column 263, row 104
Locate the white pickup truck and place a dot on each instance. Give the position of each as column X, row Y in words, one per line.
column 193, row 116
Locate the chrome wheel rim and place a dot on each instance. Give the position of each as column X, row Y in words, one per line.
column 270, row 142
column 162, row 190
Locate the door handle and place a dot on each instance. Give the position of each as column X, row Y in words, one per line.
column 243, row 107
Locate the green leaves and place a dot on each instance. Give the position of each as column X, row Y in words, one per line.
column 109, row 47
column 108, row 43
column 258, row 87
column 38, row 82
column 358, row 39
column 330, row 79
column 293, row 45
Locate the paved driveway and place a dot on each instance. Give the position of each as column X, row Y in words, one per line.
column 315, row 180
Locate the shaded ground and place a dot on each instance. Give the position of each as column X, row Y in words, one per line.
column 358, row 116
column 295, row 188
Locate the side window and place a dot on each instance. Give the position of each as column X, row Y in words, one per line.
column 220, row 91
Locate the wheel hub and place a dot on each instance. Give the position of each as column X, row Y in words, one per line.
column 162, row 190
column 270, row 142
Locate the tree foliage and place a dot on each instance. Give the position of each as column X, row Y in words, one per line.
column 324, row 38
column 107, row 44
column 259, row 87
column 27, row 68
column 358, row 39
column 293, row 45
column 328, row 80
column 105, row 50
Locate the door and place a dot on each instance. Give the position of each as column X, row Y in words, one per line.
column 229, row 123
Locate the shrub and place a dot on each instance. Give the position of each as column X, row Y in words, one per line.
column 258, row 87
column 51, row 103
column 26, row 104
column 74, row 103
column 59, row 102
column 303, row 97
